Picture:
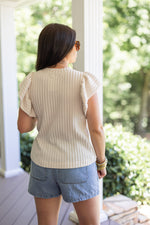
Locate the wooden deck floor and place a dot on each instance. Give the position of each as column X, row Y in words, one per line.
column 17, row 205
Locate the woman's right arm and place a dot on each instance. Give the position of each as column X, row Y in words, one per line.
column 96, row 127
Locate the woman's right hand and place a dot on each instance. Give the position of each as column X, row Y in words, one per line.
column 102, row 173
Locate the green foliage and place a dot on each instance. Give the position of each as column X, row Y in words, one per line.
column 126, row 59
column 128, row 170
column 26, row 141
column 126, row 51
column 29, row 23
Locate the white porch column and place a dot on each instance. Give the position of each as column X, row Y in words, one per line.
column 9, row 136
column 87, row 21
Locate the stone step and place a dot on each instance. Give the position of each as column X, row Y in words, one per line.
column 121, row 209
column 125, row 211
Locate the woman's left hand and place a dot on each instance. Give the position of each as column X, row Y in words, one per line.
column 102, row 173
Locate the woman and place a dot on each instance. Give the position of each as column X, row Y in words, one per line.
column 63, row 103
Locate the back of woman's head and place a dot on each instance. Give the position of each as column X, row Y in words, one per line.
column 55, row 42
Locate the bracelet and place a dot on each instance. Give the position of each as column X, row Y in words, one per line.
column 98, row 162
column 101, row 166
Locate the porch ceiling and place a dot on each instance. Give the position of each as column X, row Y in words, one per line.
column 17, row 3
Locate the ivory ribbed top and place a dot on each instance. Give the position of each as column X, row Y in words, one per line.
column 58, row 98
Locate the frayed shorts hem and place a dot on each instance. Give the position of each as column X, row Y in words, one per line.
column 45, row 196
column 81, row 198
column 71, row 200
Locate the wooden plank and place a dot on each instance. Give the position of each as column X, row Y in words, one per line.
column 20, row 203
column 10, row 202
column 63, row 215
column 8, row 185
column 17, row 206
column 4, row 180
column 16, row 210
column 63, row 210
column 34, row 220
column 109, row 222
column 11, row 180
column 27, row 214
column 66, row 220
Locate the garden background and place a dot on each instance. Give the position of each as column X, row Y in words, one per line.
column 126, row 86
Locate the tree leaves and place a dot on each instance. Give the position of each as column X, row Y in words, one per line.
column 126, row 55
column 128, row 169
column 29, row 23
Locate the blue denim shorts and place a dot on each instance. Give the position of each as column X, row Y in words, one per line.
column 74, row 184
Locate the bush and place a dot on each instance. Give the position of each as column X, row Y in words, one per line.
column 128, row 170
column 26, row 141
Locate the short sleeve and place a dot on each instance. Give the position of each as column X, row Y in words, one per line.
column 89, row 86
column 25, row 101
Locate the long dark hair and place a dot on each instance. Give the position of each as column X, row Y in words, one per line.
column 55, row 42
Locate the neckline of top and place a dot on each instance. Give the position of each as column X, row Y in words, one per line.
column 65, row 68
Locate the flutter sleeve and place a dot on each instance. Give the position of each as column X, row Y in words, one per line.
column 89, row 86
column 25, row 101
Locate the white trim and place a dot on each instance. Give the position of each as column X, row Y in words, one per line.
column 9, row 135
column 11, row 173
column 16, row 4
column 87, row 21
column 7, row 4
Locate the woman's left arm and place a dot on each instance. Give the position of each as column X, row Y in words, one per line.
column 25, row 123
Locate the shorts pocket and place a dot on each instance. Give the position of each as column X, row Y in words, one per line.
column 38, row 172
column 73, row 176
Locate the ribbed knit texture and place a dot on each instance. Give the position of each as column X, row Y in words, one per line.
column 59, row 100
